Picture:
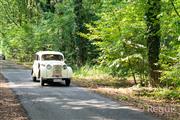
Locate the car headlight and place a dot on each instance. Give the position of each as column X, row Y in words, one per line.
column 65, row 66
column 48, row 67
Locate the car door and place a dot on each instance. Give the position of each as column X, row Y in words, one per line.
column 36, row 65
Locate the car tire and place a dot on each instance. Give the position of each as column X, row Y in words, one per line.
column 41, row 82
column 34, row 79
column 67, row 82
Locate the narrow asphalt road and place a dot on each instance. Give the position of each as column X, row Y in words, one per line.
column 57, row 102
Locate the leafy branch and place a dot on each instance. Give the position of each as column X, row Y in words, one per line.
column 7, row 14
column 174, row 8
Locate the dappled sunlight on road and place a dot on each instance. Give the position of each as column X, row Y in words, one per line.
column 22, row 85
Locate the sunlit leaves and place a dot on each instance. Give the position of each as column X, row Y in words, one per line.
column 119, row 35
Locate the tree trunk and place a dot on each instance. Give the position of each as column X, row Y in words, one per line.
column 153, row 39
column 134, row 77
column 79, row 41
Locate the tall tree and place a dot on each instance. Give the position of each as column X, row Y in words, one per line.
column 80, row 42
column 153, row 39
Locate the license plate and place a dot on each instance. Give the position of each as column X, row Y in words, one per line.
column 57, row 80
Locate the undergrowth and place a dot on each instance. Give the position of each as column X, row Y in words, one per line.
column 96, row 76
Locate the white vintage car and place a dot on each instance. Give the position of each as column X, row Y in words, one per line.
column 49, row 66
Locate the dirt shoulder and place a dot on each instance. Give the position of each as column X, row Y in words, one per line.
column 10, row 107
column 163, row 109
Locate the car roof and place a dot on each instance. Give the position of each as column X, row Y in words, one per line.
column 49, row 52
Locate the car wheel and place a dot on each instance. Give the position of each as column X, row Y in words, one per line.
column 41, row 82
column 67, row 82
column 34, row 79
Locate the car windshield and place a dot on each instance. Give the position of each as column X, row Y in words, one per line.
column 52, row 57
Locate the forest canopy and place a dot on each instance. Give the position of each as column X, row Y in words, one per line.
column 138, row 38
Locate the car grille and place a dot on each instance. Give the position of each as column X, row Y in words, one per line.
column 57, row 71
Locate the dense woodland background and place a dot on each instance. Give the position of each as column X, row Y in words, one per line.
column 127, row 38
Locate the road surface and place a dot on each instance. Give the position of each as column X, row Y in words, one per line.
column 57, row 102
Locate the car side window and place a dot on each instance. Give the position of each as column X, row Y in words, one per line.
column 36, row 57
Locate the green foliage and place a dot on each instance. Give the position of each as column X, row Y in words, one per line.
column 171, row 66
column 113, row 34
column 40, row 30
column 170, row 45
column 18, row 43
column 94, row 76
column 167, row 94
column 119, row 35
column 29, row 26
column 88, row 70
column 159, row 93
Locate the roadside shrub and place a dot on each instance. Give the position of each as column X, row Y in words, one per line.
column 167, row 94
